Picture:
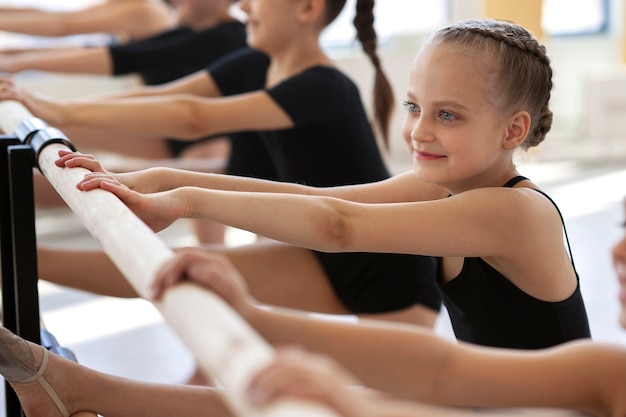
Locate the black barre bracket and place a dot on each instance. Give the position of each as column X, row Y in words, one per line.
column 37, row 134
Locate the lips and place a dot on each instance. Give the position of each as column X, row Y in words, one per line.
column 426, row 156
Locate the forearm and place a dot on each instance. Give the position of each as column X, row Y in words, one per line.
column 168, row 116
column 314, row 223
column 66, row 60
column 415, row 364
column 171, row 178
column 33, row 22
column 399, row 359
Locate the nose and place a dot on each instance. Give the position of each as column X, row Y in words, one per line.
column 417, row 129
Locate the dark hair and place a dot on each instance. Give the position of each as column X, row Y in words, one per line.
column 365, row 33
column 524, row 78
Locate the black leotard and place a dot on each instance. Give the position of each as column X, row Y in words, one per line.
column 176, row 53
column 332, row 143
column 487, row 309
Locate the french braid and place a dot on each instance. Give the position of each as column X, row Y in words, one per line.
column 525, row 73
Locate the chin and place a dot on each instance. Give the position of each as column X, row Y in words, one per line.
column 622, row 317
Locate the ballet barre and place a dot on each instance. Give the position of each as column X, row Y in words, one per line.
column 224, row 345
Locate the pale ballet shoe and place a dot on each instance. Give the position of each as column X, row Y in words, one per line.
column 17, row 364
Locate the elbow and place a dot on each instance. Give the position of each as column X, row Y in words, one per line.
column 195, row 122
column 337, row 232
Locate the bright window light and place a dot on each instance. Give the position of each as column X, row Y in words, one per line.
column 560, row 17
column 391, row 18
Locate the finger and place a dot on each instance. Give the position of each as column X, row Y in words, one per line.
column 174, row 270
column 171, row 272
column 87, row 162
column 65, row 156
column 90, row 183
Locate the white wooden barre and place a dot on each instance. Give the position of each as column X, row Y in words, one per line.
column 224, row 345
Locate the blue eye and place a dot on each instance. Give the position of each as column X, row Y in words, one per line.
column 410, row 107
column 447, row 117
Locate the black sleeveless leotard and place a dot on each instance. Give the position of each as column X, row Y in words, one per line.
column 486, row 308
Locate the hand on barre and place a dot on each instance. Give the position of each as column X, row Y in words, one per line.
column 298, row 373
column 157, row 210
column 207, row 269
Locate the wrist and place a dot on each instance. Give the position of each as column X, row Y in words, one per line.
column 161, row 178
column 254, row 314
column 183, row 198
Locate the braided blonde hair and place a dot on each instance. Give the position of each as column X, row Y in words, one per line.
column 524, row 80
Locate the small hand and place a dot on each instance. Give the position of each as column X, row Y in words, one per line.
column 208, row 269
column 40, row 105
column 300, row 374
column 157, row 210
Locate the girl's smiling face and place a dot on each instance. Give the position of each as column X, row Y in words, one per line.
column 452, row 126
column 619, row 263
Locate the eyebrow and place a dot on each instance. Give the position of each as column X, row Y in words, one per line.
column 442, row 103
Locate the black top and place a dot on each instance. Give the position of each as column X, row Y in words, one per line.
column 176, row 53
column 332, row 142
column 485, row 308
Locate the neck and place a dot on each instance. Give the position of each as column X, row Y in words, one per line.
column 295, row 59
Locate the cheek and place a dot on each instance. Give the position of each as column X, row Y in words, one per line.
column 405, row 130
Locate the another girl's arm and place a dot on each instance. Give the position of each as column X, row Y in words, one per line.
column 415, row 363
column 95, row 61
column 302, row 375
column 136, row 19
column 173, row 115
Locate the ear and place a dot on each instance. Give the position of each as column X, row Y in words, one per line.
column 517, row 130
column 311, row 10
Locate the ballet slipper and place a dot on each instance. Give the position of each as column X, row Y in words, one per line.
column 17, row 364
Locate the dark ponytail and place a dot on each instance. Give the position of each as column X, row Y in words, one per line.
column 383, row 93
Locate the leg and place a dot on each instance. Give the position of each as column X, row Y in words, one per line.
column 82, row 389
column 277, row 274
column 87, row 270
column 288, row 276
column 285, row 275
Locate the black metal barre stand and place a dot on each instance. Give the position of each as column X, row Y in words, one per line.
column 18, row 246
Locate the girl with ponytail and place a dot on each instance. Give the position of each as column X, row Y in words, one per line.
column 292, row 117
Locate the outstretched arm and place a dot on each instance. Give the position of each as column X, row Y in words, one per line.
column 332, row 224
column 400, row 188
column 415, row 363
column 173, row 115
column 95, row 61
column 134, row 19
